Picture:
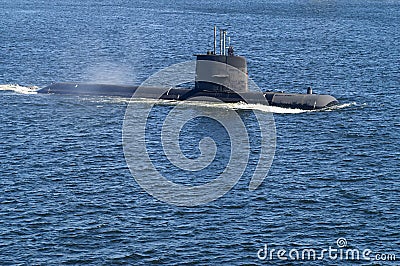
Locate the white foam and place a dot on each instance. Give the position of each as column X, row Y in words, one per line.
column 245, row 106
column 268, row 109
column 339, row 106
column 235, row 106
column 19, row 89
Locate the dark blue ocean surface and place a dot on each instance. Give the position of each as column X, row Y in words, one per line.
column 67, row 195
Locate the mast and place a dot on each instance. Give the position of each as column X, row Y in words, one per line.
column 220, row 42
column 215, row 39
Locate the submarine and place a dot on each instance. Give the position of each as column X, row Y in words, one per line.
column 220, row 76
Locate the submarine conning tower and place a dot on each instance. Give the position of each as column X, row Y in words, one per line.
column 221, row 72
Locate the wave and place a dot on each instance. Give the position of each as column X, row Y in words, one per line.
column 339, row 106
column 268, row 109
column 235, row 106
column 19, row 89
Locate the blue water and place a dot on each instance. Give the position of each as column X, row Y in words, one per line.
column 68, row 197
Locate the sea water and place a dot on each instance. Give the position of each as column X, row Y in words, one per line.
column 67, row 195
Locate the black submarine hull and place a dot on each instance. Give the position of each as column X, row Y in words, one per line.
column 280, row 99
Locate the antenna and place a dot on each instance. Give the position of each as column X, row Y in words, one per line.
column 224, row 41
column 215, row 39
column 220, row 42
